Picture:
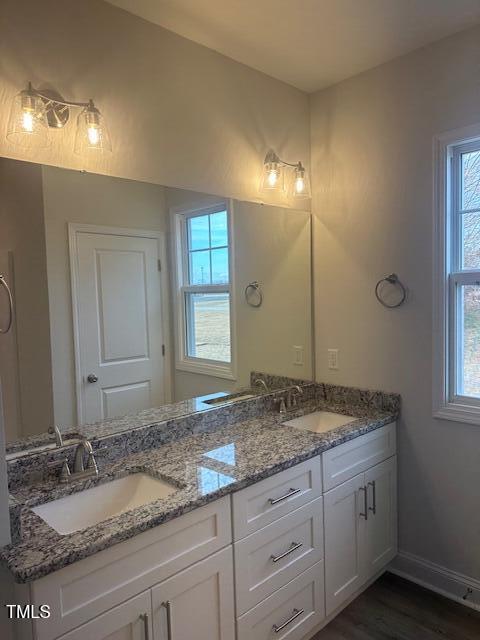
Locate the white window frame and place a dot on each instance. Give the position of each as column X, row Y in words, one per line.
column 184, row 362
column 447, row 276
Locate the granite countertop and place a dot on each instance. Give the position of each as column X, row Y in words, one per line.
column 204, row 467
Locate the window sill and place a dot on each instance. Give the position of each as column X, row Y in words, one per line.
column 207, row 369
column 456, row 412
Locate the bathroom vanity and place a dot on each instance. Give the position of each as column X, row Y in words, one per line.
column 271, row 530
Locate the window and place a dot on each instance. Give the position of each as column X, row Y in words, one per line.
column 457, row 392
column 204, row 291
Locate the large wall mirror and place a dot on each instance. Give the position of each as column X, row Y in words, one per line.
column 130, row 295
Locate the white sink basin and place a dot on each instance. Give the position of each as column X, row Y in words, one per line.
column 86, row 508
column 320, row 421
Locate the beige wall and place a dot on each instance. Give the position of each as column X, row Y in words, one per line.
column 22, row 233
column 372, row 168
column 179, row 114
column 72, row 196
column 270, row 245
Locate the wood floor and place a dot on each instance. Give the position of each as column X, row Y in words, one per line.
column 395, row 609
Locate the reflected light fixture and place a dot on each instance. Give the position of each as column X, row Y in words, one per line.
column 34, row 113
column 273, row 178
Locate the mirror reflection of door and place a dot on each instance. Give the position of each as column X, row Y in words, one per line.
column 117, row 303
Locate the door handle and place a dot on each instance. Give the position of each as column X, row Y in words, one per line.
column 144, row 618
column 168, row 607
column 374, row 495
column 92, row 378
column 365, row 503
column 4, row 284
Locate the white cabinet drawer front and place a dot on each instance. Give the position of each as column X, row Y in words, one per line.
column 263, row 502
column 271, row 557
column 290, row 613
column 351, row 458
column 89, row 587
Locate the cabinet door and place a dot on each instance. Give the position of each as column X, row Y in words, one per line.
column 345, row 530
column 131, row 620
column 381, row 539
column 197, row 603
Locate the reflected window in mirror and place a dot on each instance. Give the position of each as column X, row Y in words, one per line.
column 204, row 291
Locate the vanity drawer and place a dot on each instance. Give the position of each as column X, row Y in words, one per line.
column 298, row 607
column 266, row 501
column 355, row 456
column 91, row 586
column 271, row 557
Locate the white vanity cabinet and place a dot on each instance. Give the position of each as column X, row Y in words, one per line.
column 277, row 559
column 360, row 527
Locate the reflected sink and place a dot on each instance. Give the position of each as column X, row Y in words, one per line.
column 91, row 506
column 320, row 421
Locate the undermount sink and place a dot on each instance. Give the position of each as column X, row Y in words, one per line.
column 320, row 421
column 91, row 506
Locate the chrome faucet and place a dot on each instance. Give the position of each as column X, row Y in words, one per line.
column 58, row 436
column 293, row 394
column 260, row 382
column 80, row 471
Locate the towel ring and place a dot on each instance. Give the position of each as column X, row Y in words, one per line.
column 391, row 279
column 255, row 288
column 4, row 284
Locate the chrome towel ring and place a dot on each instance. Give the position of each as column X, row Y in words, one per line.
column 254, row 289
column 4, row 284
column 394, row 280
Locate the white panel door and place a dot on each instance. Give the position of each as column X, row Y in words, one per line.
column 345, row 531
column 381, row 482
column 118, row 300
column 131, row 620
column 197, row 604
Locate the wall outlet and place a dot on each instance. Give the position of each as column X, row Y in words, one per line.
column 298, row 352
column 333, row 359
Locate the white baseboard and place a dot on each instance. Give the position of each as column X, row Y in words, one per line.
column 447, row 583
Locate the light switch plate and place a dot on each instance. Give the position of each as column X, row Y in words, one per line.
column 333, row 359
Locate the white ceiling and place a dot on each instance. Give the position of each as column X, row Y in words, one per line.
column 309, row 43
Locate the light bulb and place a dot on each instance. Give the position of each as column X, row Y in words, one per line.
column 93, row 135
column 27, row 121
column 272, row 178
column 301, row 187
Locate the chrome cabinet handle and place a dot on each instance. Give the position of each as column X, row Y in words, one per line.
column 293, row 547
column 294, row 616
column 92, row 378
column 365, row 503
column 374, row 495
column 4, row 284
column 292, row 492
column 168, row 606
column 144, row 618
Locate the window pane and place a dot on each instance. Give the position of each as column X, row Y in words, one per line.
column 469, row 341
column 218, row 229
column 200, row 267
column 471, row 240
column 198, row 233
column 471, row 180
column 208, row 326
column 220, row 266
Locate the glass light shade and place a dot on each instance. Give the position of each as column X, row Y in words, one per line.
column 300, row 187
column 272, row 177
column 27, row 125
column 92, row 135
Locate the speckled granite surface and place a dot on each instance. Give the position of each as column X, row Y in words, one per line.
column 204, row 465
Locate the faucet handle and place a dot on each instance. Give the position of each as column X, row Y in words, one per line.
column 280, row 402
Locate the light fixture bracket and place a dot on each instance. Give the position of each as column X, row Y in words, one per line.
column 56, row 108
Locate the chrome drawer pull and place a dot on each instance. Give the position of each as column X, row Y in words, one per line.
column 294, row 546
column 365, row 503
column 294, row 616
column 291, row 493
column 374, row 493
column 144, row 618
column 168, row 607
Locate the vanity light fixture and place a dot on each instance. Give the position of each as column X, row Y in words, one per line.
column 34, row 113
column 273, row 176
